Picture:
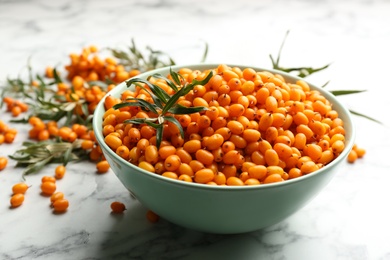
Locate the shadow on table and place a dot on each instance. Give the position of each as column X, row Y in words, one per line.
column 134, row 237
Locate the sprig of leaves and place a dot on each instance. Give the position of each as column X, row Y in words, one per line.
column 134, row 58
column 35, row 155
column 164, row 104
column 301, row 71
column 306, row 71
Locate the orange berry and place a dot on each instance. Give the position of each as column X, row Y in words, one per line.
column 3, row 163
column 117, row 207
column 20, row 188
column 152, row 217
column 102, row 166
column 60, row 171
column 56, row 196
column 60, row 205
column 17, row 200
column 48, row 187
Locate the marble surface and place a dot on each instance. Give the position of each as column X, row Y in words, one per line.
column 349, row 219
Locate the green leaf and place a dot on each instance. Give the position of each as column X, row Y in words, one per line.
column 154, row 125
column 56, row 76
column 203, row 81
column 169, row 82
column 302, row 71
column 159, row 92
column 183, row 91
column 174, row 99
column 36, row 167
column 275, row 64
column 138, row 103
column 364, row 116
column 345, row 92
column 156, row 99
column 175, row 76
column 206, row 50
column 159, row 134
column 98, row 83
column 175, row 122
column 136, row 121
column 181, row 110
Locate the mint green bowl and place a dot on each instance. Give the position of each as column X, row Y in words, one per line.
column 221, row 209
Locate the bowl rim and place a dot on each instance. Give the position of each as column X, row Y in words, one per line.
column 203, row 66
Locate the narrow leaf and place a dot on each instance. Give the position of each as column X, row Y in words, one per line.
column 56, row 76
column 345, row 92
column 159, row 135
column 169, row 82
column 175, row 76
column 159, row 92
column 139, row 103
column 36, row 167
column 176, row 122
column 181, row 110
column 203, row 81
column 364, row 116
column 206, row 50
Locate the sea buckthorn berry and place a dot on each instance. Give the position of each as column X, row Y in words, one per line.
column 219, row 178
column 283, row 150
column 185, row 177
column 171, row 175
column 308, row 167
column 3, row 163
column 17, row 200
column 204, row 176
column 47, row 178
column 236, row 110
column 314, row 151
column 271, row 157
column 172, row 163
column 338, row 146
column 192, row 146
column 273, row 178
column 352, row 156
column 102, row 166
column 166, row 151
column 117, row 207
column 56, row 196
column 151, row 216
column 48, row 187
column 60, row 205
column 294, row 173
column 266, row 121
column 235, row 127
column 204, row 156
column 238, row 141
column 60, row 172
column 151, row 154
column 9, row 137
column 234, row 181
column 214, row 141
column 147, row 166
column 20, row 188
column 360, row 152
column 252, row 181
column 258, row 172
column 231, row 157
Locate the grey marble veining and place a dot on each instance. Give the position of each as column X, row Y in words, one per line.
column 349, row 219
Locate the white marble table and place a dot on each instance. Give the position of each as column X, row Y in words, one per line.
column 350, row 219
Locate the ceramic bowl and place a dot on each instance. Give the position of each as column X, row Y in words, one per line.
column 222, row 209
